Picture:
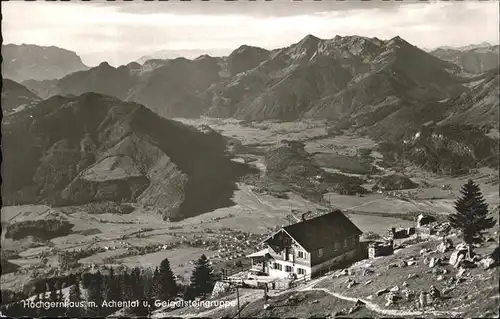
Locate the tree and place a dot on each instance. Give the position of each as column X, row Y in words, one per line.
column 471, row 216
column 94, row 291
column 202, row 279
column 75, row 296
column 164, row 285
column 112, row 289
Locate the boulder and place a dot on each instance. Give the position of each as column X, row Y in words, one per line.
column 465, row 263
column 394, row 289
column 456, row 255
column 424, row 251
column 487, row 262
column 440, row 278
column 422, row 299
column 367, row 271
column 351, row 284
column 411, row 262
column 411, row 276
column 381, row 292
column 434, row 262
column 445, row 246
column 402, row 264
column 460, row 273
column 424, row 220
column 368, row 282
column 434, row 292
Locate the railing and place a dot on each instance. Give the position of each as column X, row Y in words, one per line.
column 228, row 272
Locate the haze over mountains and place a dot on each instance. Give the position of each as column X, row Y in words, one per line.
column 27, row 61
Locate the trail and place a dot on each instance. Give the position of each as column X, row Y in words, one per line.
column 386, row 312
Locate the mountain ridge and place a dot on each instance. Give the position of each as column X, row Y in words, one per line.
column 34, row 62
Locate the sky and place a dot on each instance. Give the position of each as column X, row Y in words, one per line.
column 121, row 32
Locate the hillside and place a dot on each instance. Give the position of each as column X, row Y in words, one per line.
column 16, row 96
column 478, row 106
column 472, row 59
column 29, row 61
column 93, row 148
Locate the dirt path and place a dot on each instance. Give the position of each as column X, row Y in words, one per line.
column 386, row 312
column 311, row 287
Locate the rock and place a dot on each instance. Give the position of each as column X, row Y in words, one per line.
column 394, row 289
column 356, row 306
column 459, row 251
column 462, row 246
column 422, row 299
column 391, row 266
column 440, row 278
column 411, row 262
column 456, row 261
column 434, row 262
column 410, row 276
column 409, row 294
column 367, row 272
column 487, row 262
column 443, row 247
column 434, row 292
column 369, row 297
column 381, row 292
column 424, row 251
column 220, row 288
column 424, row 220
column 267, row 306
column 351, row 284
column 460, row 273
column 315, row 301
column 404, row 284
column 402, row 264
column 368, row 282
column 467, row 264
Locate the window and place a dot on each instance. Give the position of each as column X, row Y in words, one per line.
column 288, row 268
column 301, row 271
column 277, row 266
column 301, row 254
column 320, row 252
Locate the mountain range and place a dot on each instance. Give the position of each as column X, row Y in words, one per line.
column 104, row 134
column 27, row 61
column 356, row 79
column 472, row 58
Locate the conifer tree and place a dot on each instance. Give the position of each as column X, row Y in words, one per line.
column 75, row 297
column 164, row 285
column 202, row 279
column 127, row 290
column 95, row 294
column 471, row 216
column 112, row 289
